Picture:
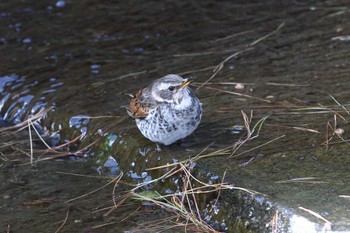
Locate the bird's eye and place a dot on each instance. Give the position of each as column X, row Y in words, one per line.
column 171, row 88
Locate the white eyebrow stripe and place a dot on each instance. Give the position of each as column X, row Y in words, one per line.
column 164, row 86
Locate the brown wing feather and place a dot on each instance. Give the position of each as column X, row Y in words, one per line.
column 140, row 104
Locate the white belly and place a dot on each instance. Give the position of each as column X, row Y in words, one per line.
column 166, row 126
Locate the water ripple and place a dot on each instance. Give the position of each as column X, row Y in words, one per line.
column 20, row 98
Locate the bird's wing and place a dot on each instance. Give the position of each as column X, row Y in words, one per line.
column 140, row 104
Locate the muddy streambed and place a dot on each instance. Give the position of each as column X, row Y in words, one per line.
column 77, row 60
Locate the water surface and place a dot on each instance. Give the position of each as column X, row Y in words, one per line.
column 81, row 58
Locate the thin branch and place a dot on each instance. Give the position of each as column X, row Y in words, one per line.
column 64, row 222
column 219, row 67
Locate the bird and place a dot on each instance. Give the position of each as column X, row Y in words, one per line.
column 167, row 110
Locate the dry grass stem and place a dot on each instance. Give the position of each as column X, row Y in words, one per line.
column 116, row 179
column 109, row 127
column 316, row 215
column 122, row 200
column 312, row 180
column 95, row 117
column 29, row 123
column 333, row 129
column 287, row 84
column 38, row 134
column 224, row 83
column 251, row 133
column 341, row 105
column 100, row 83
column 31, row 144
column 199, row 156
column 232, row 36
column 274, row 222
column 197, row 70
column 268, row 35
column 64, row 222
column 65, row 144
column 219, row 67
column 335, row 113
column 24, row 124
column 305, row 129
column 183, row 203
column 219, row 192
column 236, row 93
column 203, row 53
column 296, row 128
column 257, row 147
column 87, row 176
column 11, row 143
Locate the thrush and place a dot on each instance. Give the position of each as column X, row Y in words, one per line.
column 167, row 110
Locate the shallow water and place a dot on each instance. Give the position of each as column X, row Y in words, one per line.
column 82, row 58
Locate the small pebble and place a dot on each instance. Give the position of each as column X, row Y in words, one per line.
column 138, row 50
column 339, row 29
column 312, row 8
column 342, row 38
column 95, row 66
column 26, row 41
column 339, row 131
column 60, row 4
column 239, row 86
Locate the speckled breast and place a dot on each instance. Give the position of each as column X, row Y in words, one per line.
column 166, row 125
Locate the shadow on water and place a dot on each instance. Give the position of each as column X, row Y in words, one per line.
column 78, row 60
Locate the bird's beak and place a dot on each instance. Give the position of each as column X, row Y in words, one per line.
column 185, row 84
